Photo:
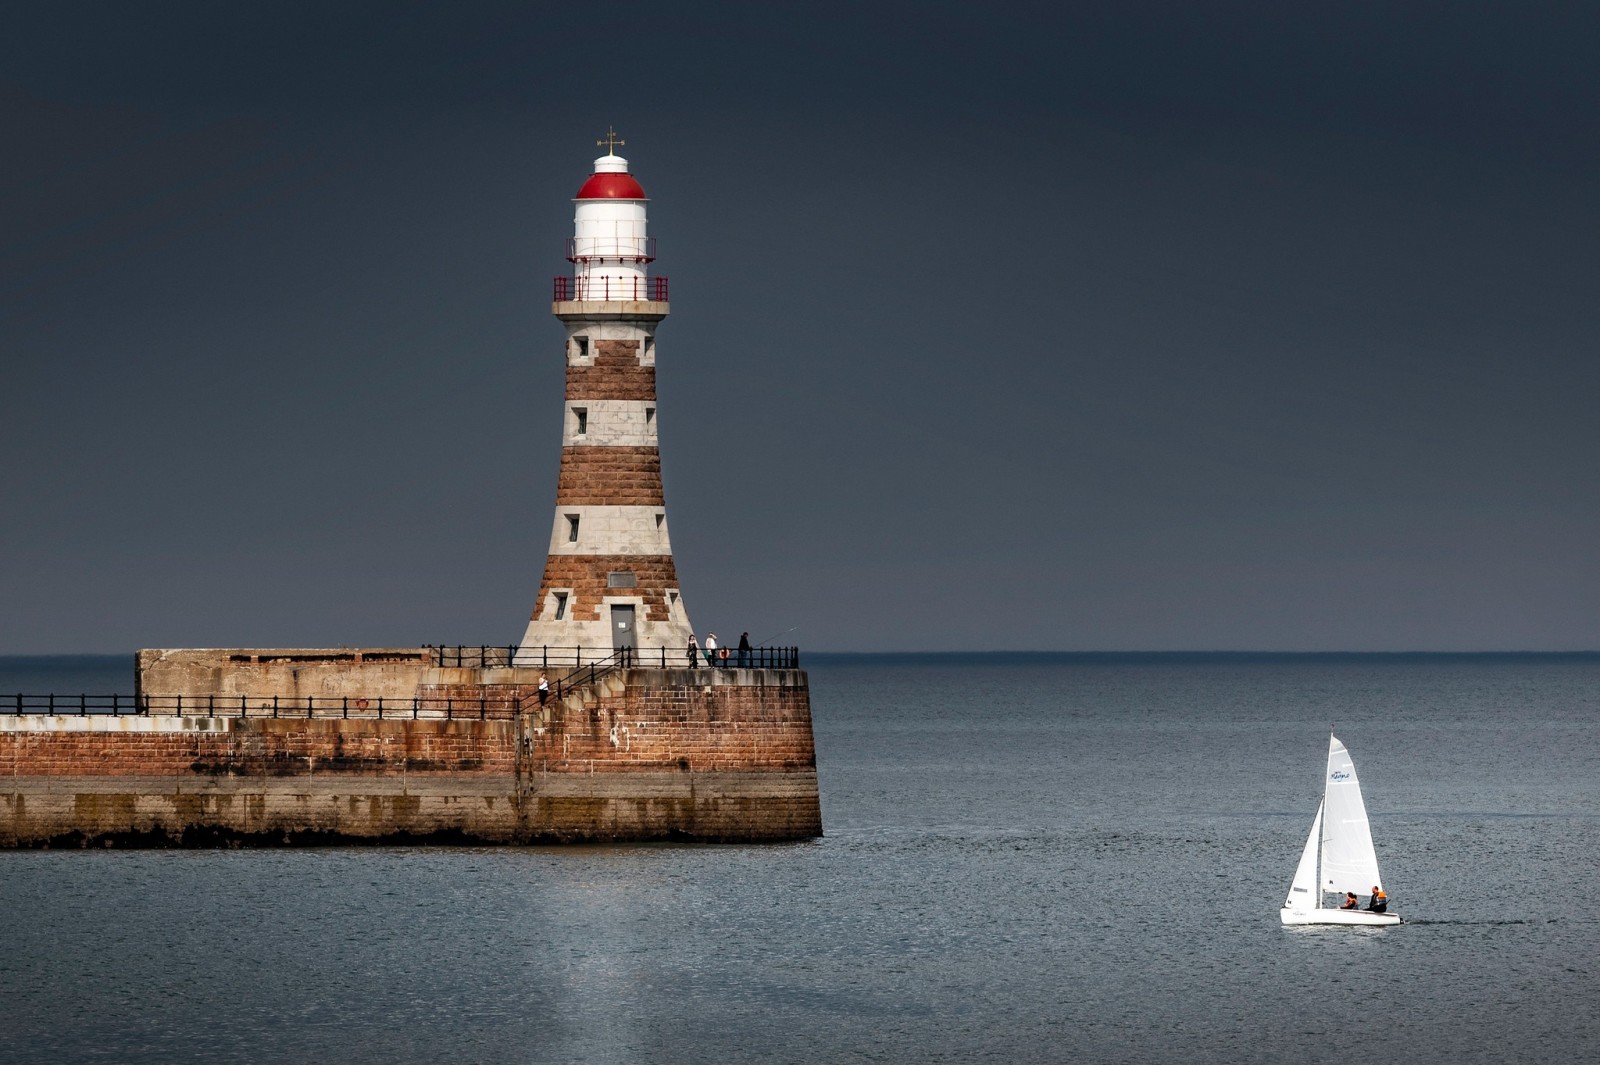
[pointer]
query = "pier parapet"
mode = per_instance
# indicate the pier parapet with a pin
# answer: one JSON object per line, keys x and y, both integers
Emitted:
{"x": 226, "y": 750}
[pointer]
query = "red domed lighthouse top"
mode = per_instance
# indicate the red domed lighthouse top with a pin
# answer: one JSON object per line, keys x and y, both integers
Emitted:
{"x": 611, "y": 185}
{"x": 611, "y": 180}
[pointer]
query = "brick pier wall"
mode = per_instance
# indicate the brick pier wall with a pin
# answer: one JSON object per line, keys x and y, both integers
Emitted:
{"x": 718, "y": 755}
{"x": 694, "y": 754}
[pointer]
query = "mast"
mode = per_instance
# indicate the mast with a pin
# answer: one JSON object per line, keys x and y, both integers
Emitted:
{"x": 1322, "y": 834}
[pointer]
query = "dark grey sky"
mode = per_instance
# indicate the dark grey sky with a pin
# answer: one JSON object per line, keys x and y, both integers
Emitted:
{"x": 1055, "y": 326}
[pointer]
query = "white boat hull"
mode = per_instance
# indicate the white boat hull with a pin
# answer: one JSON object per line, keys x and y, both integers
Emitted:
{"x": 1349, "y": 917}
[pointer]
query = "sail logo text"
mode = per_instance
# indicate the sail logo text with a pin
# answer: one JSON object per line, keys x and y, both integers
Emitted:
{"x": 1339, "y": 774}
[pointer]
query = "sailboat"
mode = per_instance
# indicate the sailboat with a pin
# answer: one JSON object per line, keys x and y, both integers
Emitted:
{"x": 1338, "y": 856}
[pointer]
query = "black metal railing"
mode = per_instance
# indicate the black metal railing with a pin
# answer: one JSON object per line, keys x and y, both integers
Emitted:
{"x": 76, "y": 705}
{"x": 583, "y": 676}
{"x": 536, "y": 656}
{"x": 452, "y": 708}
{"x": 733, "y": 658}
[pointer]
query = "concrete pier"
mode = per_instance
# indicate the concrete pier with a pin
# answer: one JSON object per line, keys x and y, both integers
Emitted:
{"x": 640, "y": 754}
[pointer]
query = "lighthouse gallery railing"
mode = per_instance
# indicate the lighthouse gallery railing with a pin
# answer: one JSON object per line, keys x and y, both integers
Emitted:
{"x": 603, "y": 288}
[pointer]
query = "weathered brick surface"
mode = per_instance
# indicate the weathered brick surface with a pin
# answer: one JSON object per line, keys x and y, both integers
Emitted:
{"x": 610, "y": 476}
{"x": 585, "y": 575}
{"x": 494, "y": 702}
{"x": 675, "y": 720}
{"x": 267, "y": 747}
{"x": 650, "y": 754}
{"x": 614, "y": 374}
{"x": 262, "y": 781}
{"x": 693, "y": 753}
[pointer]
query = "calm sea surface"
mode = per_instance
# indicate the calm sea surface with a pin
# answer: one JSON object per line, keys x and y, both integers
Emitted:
{"x": 1028, "y": 858}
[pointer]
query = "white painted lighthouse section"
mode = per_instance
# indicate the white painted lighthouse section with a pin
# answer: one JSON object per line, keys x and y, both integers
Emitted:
{"x": 610, "y": 243}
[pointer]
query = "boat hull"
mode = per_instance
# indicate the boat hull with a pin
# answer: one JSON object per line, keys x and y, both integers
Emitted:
{"x": 1346, "y": 917}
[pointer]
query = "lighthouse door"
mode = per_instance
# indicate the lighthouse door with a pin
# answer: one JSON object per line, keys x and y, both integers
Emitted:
{"x": 622, "y": 634}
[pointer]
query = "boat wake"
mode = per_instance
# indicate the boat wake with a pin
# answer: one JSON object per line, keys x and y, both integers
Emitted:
{"x": 1511, "y": 920}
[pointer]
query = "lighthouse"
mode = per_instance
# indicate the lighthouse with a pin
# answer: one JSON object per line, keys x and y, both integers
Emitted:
{"x": 609, "y": 580}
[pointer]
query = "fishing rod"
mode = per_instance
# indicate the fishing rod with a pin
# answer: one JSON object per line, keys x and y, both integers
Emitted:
{"x": 768, "y": 641}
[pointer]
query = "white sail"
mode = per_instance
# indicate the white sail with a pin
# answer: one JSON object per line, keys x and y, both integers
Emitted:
{"x": 1303, "y": 894}
{"x": 1349, "y": 862}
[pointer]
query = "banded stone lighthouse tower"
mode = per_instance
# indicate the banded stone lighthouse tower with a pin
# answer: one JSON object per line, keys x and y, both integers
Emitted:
{"x": 609, "y": 580}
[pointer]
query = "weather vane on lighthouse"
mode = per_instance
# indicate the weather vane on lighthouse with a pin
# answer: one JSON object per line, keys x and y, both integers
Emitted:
{"x": 611, "y": 143}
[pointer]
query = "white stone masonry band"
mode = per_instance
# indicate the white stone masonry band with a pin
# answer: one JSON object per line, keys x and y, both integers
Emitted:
{"x": 610, "y": 531}
{"x": 584, "y": 337}
{"x": 610, "y": 423}
{"x": 672, "y": 633}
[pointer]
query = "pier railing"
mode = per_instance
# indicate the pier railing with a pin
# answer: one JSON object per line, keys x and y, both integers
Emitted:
{"x": 74, "y": 705}
{"x": 423, "y": 707}
{"x": 529, "y": 656}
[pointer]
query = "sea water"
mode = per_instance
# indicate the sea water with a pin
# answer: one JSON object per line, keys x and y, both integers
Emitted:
{"x": 1027, "y": 859}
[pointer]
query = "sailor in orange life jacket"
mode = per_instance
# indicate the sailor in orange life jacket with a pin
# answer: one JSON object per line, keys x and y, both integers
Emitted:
{"x": 1349, "y": 901}
{"x": 1380, "y": 901}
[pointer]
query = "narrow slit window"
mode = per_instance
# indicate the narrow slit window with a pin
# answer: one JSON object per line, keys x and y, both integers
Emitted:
{"x": 660, "y": 519}
{"x": 582, "y": 415}
{"x": 561, "y": 605}
{"x": 582, "y": 345}
{"x": 649, "y": 416}
{"x": 572, "y": 528}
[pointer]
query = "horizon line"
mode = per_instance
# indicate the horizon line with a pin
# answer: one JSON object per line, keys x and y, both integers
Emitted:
{"x": 1125, "y": 652}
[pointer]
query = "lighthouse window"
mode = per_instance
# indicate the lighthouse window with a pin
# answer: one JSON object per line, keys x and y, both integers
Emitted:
{"x": 572, "y": 528}
{"x": 582, "y": 414}
{"x": 561, "y": 605}
{"x": 659, "y": 519}
{"x": 649, "y": 416}
{"x": 583, "y": 346}
{"x": 621, "y": 580}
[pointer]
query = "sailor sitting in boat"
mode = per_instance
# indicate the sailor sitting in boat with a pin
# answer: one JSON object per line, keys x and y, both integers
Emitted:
{"x": 1380, "y": 901}
{"x": 1350, "y": 901}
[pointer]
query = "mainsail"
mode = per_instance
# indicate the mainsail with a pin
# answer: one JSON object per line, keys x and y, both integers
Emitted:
{"x": 1349, "y": 862}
